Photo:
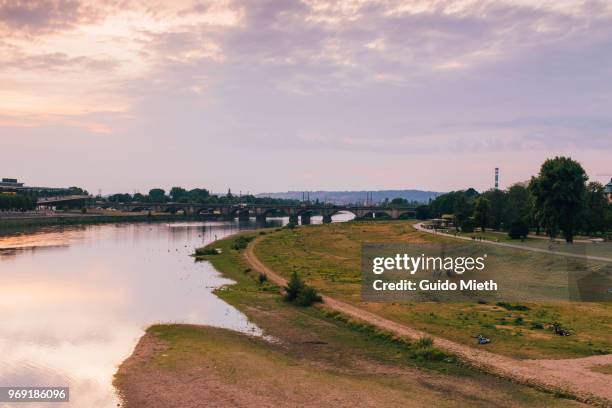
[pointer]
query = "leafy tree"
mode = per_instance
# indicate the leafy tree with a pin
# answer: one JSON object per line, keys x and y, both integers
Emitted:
{"x": 596, "y": 203}
{"x": 518, "y": 229}
{"x": 481, "y": 212}
{"x": 468, "y": 225}
{"x": 399, "y": 202}
{"x": 463, "y": 210}
{"x": 157, "y": 195}
{"x": 498, "y": 203}
{"x": 120, "y": 198}
{"x": 560, "y": 192}
{"x": 519, "y": 205}
{"x": 423, "y": 212}
{"x": 178, "y": 193}
{"x": 18, "y": 202}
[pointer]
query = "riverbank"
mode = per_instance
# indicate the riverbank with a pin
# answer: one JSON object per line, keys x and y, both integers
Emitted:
{"x": 318, "y": 358}
{"x": 18, "y": 224}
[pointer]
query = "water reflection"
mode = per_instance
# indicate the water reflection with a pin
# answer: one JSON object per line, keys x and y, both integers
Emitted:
{"x": 74, "y": 301}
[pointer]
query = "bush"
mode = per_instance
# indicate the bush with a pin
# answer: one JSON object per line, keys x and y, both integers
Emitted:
{"x": 307, "y": 296}
{"x": 294, "y": 287}
{"x": 508, "y": 306}
{"x": 291, "y": 225}
{"x": 241, "y": 242}
{"x": 424, "y": 342}
{"x": 263, "y": 278}
{"x": 299, "y": 293}
{"x": 518, "y": 230}
{"x": 206, "y": 251}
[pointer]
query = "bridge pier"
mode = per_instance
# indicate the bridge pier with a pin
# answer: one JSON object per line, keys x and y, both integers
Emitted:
{"x": 305, "y": 218}
{"x": 327, "y": 219}
{"x": 243, "y": 215}
{"x": 261, "y": 218}
{"x": 293, "y": 219}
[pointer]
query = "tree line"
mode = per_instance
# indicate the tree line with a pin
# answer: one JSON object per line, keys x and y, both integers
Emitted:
{"x": 196, "y": 195}
{"x": 558, "y": 201}
{"x": 10, "y": 202}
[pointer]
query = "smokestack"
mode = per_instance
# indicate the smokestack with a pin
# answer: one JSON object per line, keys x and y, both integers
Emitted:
{"x": 497, "y": 178}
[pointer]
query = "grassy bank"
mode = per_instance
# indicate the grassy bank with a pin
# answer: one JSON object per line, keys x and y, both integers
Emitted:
{"x": 328, "y": 257}
{"x": 318, "y": 358}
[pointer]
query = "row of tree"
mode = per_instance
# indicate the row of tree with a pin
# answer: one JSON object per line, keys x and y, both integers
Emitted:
{"x": 196, "y": 195}
{"x": 9, "y": 202}
{"x": 559, "y": 200}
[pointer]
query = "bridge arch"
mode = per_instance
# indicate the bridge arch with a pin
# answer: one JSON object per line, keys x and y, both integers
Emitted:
{"x": 409, "y": 214}
{"x": 378, "y": 215}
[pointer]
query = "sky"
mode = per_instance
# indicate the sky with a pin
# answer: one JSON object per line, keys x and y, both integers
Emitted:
{"x": 261, "y": 96}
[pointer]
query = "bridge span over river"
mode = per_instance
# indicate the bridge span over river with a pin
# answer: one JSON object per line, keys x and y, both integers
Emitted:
{"x": 261, "y": 211}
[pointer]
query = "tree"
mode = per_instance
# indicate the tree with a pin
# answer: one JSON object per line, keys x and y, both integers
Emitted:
{"x": 398, "y": 202}
{"x": 463, "y": 210}
{"x": 423, "y": 212}
{"x": 177, "y": 193}
{"x": 518, "y": 206}
{"x": 560, "y": 191}
{"x": 157, "y": 195}
{"x": 518, "y": 229}
{"x": 498, "y": 203}
{"x": 294, "y": 287}
{"x": 595, "y": 211}
{"x": 481, "y": 212}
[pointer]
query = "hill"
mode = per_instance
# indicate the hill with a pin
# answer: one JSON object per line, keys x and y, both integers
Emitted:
{"x": 347, "y": 197}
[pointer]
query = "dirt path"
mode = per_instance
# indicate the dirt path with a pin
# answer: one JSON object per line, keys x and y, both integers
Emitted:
{"x": 569, "y": 376}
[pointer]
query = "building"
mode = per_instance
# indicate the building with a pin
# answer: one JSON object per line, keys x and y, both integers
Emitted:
{"x": 608, "y": 191}
{"x": 12, "y": 186}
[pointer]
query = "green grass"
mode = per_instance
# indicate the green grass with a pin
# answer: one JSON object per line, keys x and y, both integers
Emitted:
{"x": 328, "y": 257}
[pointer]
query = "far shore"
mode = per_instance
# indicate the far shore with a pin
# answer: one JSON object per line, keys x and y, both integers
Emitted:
{"x": 15, "y": 222}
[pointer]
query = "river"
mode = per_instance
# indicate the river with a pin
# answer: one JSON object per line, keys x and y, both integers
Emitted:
{"x": 75, "y": 300}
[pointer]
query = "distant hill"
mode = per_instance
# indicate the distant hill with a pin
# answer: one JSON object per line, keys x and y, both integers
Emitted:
{"x": 347, "y": 197}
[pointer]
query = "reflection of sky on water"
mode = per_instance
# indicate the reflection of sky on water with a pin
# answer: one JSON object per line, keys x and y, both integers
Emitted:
{"x": 72, "y": 313}
{"x": 74, "y": 301}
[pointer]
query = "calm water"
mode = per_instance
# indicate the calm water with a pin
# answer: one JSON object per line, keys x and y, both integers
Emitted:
{"x": 74, "y": 301}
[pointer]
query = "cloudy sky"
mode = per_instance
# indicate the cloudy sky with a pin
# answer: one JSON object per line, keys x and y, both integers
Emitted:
{"x": 262, "y": 95}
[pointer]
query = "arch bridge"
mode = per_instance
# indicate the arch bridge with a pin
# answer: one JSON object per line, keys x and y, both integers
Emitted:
{"x": 261, "y": 211}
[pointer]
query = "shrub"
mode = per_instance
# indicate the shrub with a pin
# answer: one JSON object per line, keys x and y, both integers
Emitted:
{"x": 428, "y": 354}
{"x": 291, "y": 225}
{"x": 424, "y": 342}
{"x": 518, "y": 230}
{"x": 206, "y": 251}
{"x": 299, "y": 293}
{"x": 508, "y": 306}
{"x": 307, "y": 296}
{"x": 263, "y": 278}
{"x": 294, "y": 287}
{"x": 241, "y": 242}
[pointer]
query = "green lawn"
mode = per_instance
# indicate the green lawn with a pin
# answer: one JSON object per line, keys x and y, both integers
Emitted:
{"x": 328, "y": 257}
